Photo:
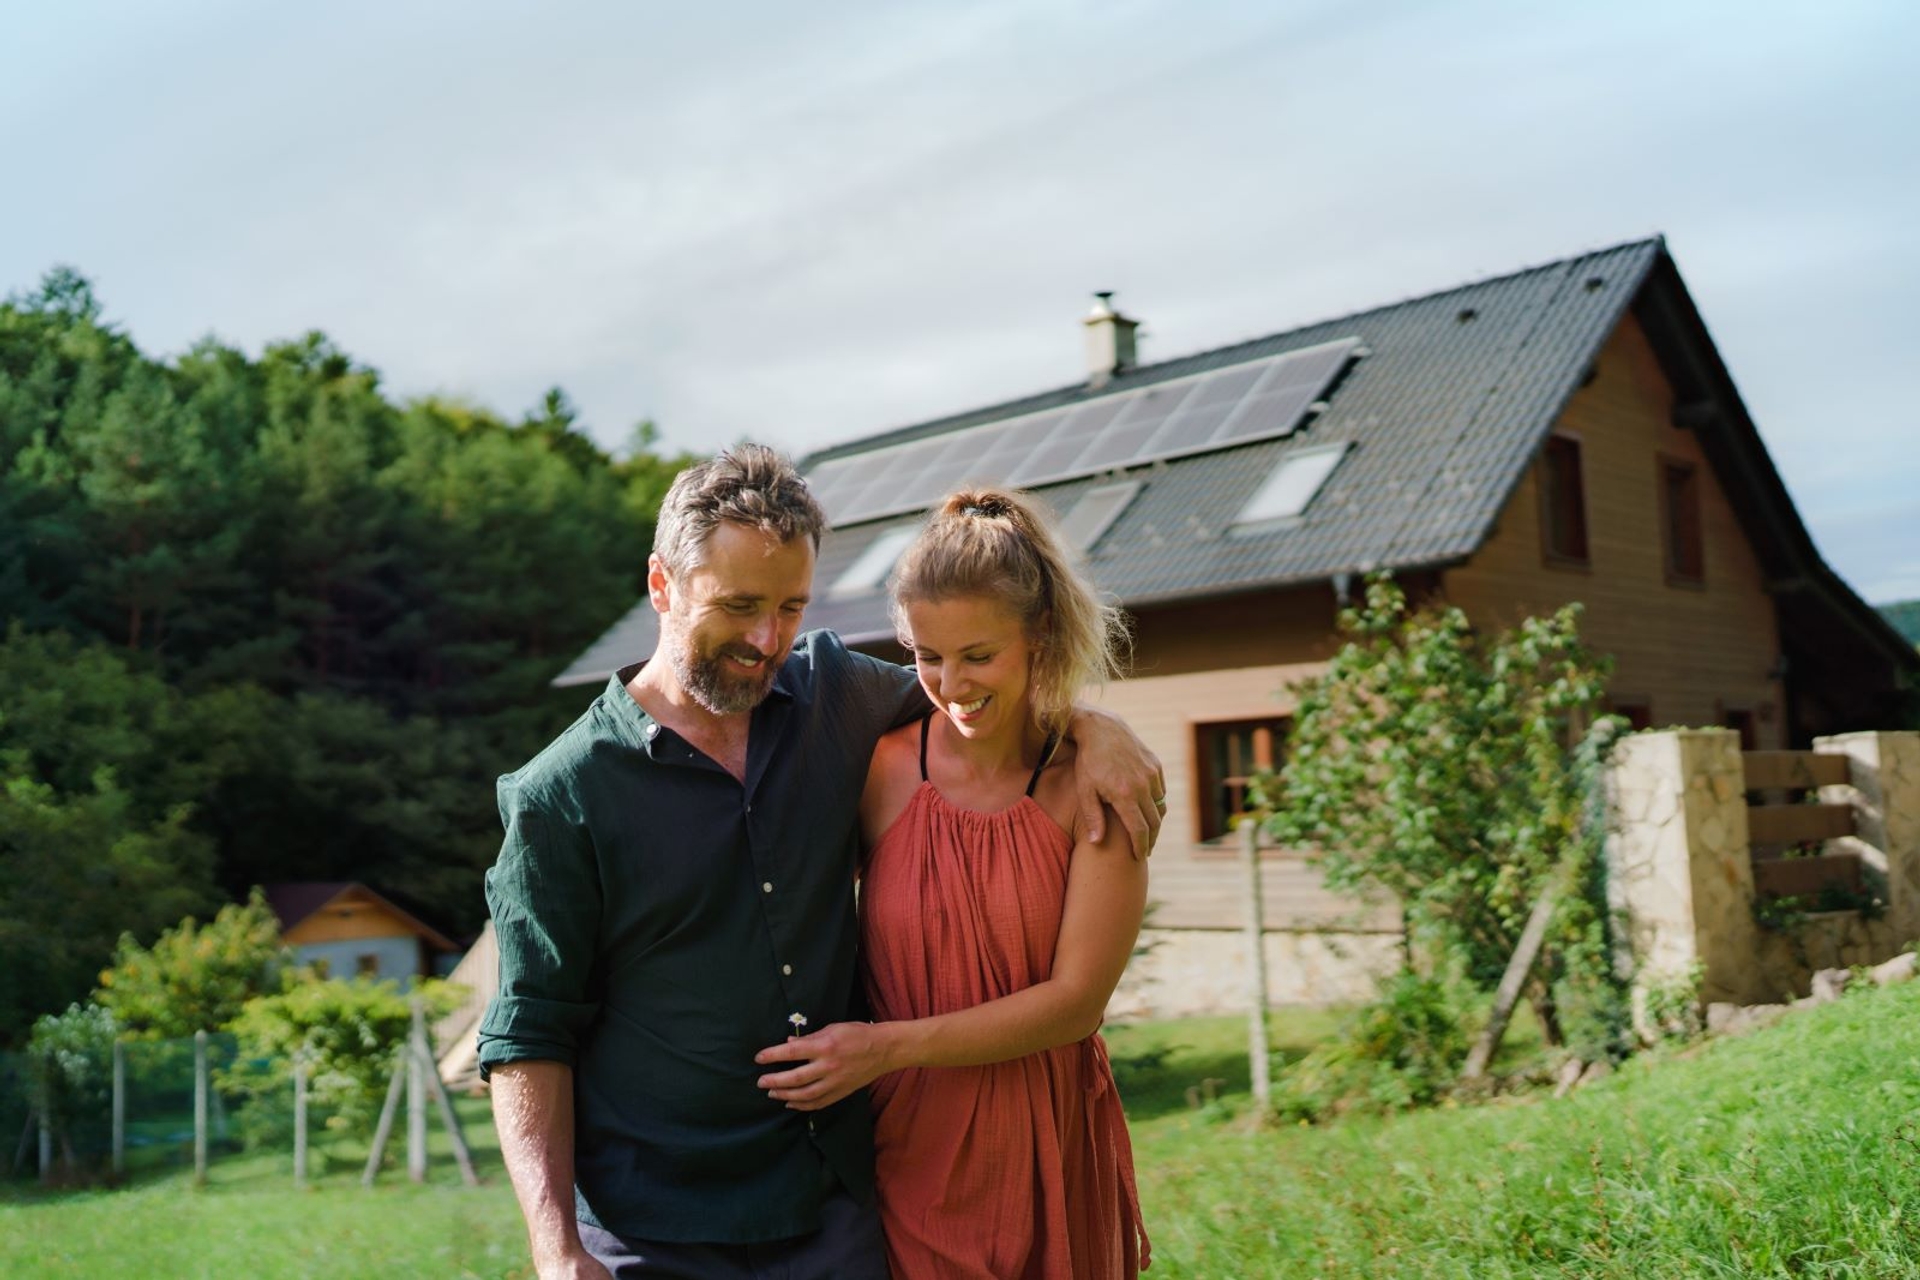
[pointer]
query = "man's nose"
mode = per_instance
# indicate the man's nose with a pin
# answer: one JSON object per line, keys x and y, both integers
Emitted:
{"x": 764, "y": 635}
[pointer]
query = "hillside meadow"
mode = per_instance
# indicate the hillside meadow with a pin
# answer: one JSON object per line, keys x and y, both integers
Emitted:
{"x": 1794, "y": 1151}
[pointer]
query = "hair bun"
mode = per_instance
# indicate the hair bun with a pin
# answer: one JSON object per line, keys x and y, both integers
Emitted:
{"x": 984, "y": 505}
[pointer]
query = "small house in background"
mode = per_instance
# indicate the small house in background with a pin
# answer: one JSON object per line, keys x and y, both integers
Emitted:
{"x": 1566, "y": 433}
{"x": 346, "y": 930}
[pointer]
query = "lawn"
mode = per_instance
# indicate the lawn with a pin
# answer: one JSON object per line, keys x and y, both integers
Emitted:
{"x": 1791, "y": 1152}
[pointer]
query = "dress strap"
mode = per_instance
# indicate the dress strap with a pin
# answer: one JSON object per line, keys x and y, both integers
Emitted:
{"x": 1046, "y": 755}
{"x": 926, "y": 723}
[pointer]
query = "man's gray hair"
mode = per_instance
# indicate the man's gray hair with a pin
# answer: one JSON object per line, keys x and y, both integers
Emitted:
{"x": 748, "y": 484}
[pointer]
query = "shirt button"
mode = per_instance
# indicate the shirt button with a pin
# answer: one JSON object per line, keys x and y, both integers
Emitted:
{"x": 652, "y": 730}
{"x": 766, "y": 886}
{"x": 787, "y": 969}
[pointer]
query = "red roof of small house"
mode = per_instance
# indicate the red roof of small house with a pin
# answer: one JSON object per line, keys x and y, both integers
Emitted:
{"x": 295, "y": 901}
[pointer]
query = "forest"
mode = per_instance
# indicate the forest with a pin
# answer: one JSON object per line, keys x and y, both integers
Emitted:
{"x": 260, "y": 622}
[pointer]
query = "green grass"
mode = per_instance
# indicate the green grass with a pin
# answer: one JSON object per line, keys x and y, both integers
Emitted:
{"x": 250, "y": 1220}
{"x": 1791, "y": 1152}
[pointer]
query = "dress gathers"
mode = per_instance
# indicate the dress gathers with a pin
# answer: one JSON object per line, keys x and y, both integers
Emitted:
{"x": 1015, "y": 1169}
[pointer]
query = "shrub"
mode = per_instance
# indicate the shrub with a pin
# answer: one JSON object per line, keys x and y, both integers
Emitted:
{"x": 1403, "y": 1050}
{"x": 347, "y": 1030}
{"x": 70, "y": 1076}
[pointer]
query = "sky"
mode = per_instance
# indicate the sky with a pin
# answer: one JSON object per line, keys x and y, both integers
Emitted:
{"x": 808, "y": 223}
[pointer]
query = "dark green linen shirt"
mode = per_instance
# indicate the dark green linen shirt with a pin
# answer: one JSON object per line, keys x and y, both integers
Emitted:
{"x": 659, "y": 922}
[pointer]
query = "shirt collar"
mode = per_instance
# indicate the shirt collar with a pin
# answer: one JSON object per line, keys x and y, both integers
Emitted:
{"x": 642, "y": 730}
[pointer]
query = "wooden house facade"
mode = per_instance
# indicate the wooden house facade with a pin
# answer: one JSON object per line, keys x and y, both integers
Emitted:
{"x": 1566, "y": 433}
{"x": 346, "y": 930}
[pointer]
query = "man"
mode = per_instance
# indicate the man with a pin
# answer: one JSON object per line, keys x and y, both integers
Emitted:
{"x": 676, "y": 891}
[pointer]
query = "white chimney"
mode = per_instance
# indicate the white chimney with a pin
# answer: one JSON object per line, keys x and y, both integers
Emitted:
{"x": 1109, "y": 341}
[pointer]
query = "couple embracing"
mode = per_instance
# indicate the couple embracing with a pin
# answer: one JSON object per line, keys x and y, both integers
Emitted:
{"x": 706, "y": 1060}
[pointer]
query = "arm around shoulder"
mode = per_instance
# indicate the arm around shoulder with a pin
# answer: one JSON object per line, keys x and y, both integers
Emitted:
{"x": 1116, "y": 770}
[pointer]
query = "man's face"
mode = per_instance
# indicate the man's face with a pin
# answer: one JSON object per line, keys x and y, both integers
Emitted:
{"x": 727, "y": 623}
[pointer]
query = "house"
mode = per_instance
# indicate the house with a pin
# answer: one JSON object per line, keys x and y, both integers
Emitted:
{"x": 347, "y": 930}
{"x": 1565, "y": 433}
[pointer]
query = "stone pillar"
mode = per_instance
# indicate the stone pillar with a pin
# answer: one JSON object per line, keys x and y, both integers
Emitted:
{"x": 1679, "y": 873}
{"x": 1884, "y": 789}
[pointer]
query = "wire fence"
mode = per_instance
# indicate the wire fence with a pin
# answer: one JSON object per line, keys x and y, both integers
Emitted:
{"x": 118, "y": 1110}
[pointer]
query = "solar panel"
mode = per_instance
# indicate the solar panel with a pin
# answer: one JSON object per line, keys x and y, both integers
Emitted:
{"x": 1279, "y": 401}
{"x": 1121, "y": 442}
{"x": 1256, "y": 400}
{"x": 1053, "y": 455}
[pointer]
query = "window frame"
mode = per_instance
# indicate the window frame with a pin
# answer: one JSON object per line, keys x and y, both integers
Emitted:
{"x": 1549, "y": 487}
{"x": 1666, "y": 467}
{"x": 1636, "y": 709}
{"x": 1210, "y": 824}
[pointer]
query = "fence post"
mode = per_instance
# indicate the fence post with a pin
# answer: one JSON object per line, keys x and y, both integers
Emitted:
{"x": 200, "y": 1091}
{"x": 1259, "y": 1056}
{"x": 300, "y": 1070}
{"x": 417, "y": 1094}
{"x": 384, "y": 1129}
{"x": 119, "y": 1108}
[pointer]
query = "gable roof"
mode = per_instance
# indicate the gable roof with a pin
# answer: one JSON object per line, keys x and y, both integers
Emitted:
{"x": 294, "y": 901}
{"x": 1441, "y": 417}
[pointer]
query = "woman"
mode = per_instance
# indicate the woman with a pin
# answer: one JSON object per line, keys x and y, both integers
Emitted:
{"x": 991, "y": 937}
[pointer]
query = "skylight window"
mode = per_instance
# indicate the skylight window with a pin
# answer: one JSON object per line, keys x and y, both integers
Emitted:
{"x": 1095, "y": 513}
{"x": 869, "y": 570}
{"x": 1292, "y": 486}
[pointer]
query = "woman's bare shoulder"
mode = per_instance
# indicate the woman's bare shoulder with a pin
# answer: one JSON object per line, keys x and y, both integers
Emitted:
{"x": 897, "y": 745}
{"x": 1057, "y": 790}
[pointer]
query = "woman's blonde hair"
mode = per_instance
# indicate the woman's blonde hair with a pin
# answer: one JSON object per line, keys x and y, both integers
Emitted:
{"x": 992, "y": 542}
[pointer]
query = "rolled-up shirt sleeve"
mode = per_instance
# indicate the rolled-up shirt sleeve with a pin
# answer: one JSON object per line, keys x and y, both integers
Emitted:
{"x": 544, "y": 894}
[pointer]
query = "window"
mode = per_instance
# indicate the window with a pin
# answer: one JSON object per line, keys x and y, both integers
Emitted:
{"x": 1225, "y": 756}
{"x": 1293, "y": 484}
{"x": 1095, "y": 513}
{"x": 1680, "y": 522}
{"x": 1740, "y": 720}
{"x": 1637, "y": 711}
{"x": 870, "y": 568}
{"x": 1563, "y": 503}
{"x": 367, "y": 965}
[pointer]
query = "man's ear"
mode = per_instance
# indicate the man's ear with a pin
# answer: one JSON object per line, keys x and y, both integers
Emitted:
{"x": 659, "y": 584}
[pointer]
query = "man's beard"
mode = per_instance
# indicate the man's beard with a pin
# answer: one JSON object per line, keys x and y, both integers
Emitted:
{"x": 709, "y": 684}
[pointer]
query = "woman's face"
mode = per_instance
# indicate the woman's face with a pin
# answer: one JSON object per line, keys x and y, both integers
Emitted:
{"x": 975, "y": 662}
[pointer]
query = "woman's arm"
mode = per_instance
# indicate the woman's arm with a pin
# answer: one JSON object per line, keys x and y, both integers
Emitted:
{"x": 1106, "y": 897}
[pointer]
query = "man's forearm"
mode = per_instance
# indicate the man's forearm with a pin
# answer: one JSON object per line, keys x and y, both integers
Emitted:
{"x": 533, "y": 1110}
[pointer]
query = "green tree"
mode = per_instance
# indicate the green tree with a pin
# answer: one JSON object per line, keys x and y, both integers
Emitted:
{"x": 270, "y": 625}
{"x": 195, "y": 977}
{"x": 1435, "y": 763}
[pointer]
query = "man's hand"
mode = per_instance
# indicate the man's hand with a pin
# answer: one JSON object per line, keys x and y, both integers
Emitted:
{"x": 1114, "y": 768}
{"x": 573, "y": 1266}
{"x": 834, "y": 1061}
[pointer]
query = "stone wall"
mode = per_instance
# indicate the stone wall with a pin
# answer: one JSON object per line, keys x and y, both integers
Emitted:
{"x": 1680, "y": 874}
{"x": 1883, "y": 785}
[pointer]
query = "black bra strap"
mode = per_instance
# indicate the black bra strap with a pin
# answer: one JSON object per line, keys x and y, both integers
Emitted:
{"x": 1046, "y": 754}
{"x": 925, "y": 724}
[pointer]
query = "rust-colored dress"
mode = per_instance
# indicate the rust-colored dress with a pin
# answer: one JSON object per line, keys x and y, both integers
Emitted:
{"x": 1016, "y": 1169}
